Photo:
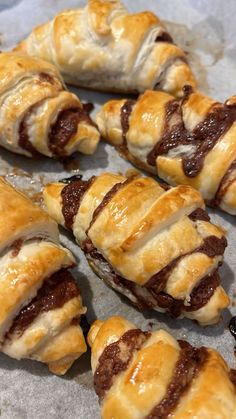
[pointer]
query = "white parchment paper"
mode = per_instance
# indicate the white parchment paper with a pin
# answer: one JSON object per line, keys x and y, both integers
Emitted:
{"x": 206, "y": 30}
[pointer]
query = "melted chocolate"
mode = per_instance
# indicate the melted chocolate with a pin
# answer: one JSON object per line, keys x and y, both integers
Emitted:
{"x": 45, "y": 77}
{"x": 204, "y": 136}
{"x": 115, "y": 358}
{"x": 16, "y": 247}
{"x": 202, "y": 292}
{"x": 232, "y": 326}
{"x": 92, "y": 252}
{"x": 171, "y": 108}
{"x": 224, "y": 185}
{"x": 199, "y": 214}
{"x": 212, "y": 246}
{"x": 23, "y": 140}
{"x": 72, "y": 195}
{"x": 199, "y": 296}
{"x": 107, "y": 198}
{"x": 55, "y": 292}
{"x": 190, "y": 362}
{"x": 88, "y": 107}
{"x": 125, "y": 113}
{"x": 65, "y": 127}
{"x": 164, "y": 37}
{"x": 71, "y": 179}
{"x": 232, "y": 376}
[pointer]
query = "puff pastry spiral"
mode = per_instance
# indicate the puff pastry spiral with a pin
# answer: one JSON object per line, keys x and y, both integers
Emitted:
{"x": 40, "y": 302}
{"x": 150, "y": 375}
{"x": 104, "y": 47}
{"x": 157, "y": 247}
{"x": 37, "y": 114}
{"x": 190, "y": 141}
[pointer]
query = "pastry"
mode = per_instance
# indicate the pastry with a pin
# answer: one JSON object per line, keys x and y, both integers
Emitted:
{"x": 150, "y": 375}
{"x": 37, "y": 114}
{"x": 102, "y": 46}
{"x": 40, "y": 302}
{"x": 155, "y": 246}
{"x": 191, "y": 141}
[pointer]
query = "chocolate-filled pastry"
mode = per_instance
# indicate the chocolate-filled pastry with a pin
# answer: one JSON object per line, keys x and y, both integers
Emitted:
{"x": 104, "y": 47}
{"x": 150, "y": 375}
{"x": 190, "y": 141}
{"x": 155, "y": 246}
{"x": 37, "y": 114}
{"x": 40, "y": 302}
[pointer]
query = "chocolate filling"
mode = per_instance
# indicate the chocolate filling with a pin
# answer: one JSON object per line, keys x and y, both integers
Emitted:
{"x": 55, "y": 292}
{"x": 199, "y": 296}
{"x": 232, "y": 376}
{"x": 16, "y": 247}
{"x": 72, "y": 195}
{"x": 232, "y": 326}
{"x": 46, "y": 77}
{"x": 92, "y": 254}
{"x": 225, "y": 183}
{"x": 188, "y": 366}
{"x": 204, "y": 136}
{"x": 23, "y": 140}
{"x": 65, "y": 127}
{"x": 88, "y": 107}
{"x": 107, "y": 198}
{"x": 125, "y": 113}
{"x": 199, "y": 214}
{"x": 201, "y": 293}
{"x": 164, "y": 37}
{"x": 115, "y": 358}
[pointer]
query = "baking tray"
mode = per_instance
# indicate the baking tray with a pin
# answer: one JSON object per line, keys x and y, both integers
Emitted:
{"x": 206, "y": 30}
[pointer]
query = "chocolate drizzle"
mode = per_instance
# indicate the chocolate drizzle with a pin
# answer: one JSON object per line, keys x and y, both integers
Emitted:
{"x": 203, "y": 138}
{"x": 115, "y": 358}
{"x": 65, "y": 128}
{"x": 191, "y": 361}
{"x": 55, "y": 292}
{"x": 72, "y": 195}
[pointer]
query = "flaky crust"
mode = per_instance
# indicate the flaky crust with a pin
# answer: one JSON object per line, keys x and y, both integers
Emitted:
{"x": 149, "y": 123}
{"x": 137, "y": 236}
{"x": 104, "y": 47}
{"x": 149, "y": 376}
{"x": 36, "y": 105}
{"x": 31, "y": 324}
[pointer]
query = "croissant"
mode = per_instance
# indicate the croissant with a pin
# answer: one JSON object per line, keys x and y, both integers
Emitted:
{"x": 40, "y": 302}
{"x": 37, "y": 114}
{"x": 150, "y": 375}
{"x": 155, "y": 246}
{"x": 190, "y": 141}
{"x": 104, "y": 47}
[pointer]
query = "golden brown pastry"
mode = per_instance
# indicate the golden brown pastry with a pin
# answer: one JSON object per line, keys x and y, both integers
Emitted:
{"x": 104, "y": 47}
{"x": 155, "y": 246}
{"x": 150, "y": 375}
{"x": 191, "y": 141}
{"x": 37, "y": 114}
{"x": 40, "y": 302}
